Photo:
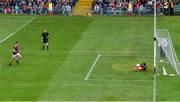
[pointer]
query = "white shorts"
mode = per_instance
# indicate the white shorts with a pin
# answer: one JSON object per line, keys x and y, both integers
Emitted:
{"x": 16, "y": 56}
{"x": 130, "y": 10}
{"x": 50, "y": 9}
{"x": 45, "y": 44}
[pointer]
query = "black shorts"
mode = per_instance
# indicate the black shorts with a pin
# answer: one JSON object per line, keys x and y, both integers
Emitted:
{"x": 45, "y": 40}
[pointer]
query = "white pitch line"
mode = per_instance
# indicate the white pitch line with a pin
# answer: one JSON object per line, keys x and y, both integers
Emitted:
{"x": 121, "y": 80}
{"x": 92, "y": 67}
{"x": 17, "y": 30}
{"x": 154, "y": 88}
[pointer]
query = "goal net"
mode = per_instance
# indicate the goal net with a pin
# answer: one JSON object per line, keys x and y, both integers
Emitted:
{"x": 166, "y": 57}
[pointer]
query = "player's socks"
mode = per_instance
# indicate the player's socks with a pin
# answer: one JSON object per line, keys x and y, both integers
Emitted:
{"x": 47, "y": 47}
{"x": 17, "y": 62}
{"x": 43, "y": 47}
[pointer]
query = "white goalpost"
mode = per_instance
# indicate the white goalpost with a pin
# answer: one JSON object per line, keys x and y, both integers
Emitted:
{"x": 154, "y": 34}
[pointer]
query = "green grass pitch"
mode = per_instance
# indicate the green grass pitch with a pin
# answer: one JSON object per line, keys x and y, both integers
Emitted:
{"x": 75, "y": 42}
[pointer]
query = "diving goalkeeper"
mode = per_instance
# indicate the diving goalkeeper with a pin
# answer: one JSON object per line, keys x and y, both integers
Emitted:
{"x": 140, "y": 67}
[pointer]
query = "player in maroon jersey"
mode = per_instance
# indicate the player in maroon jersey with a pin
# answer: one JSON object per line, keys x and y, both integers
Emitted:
{"x": 15, "y": 54}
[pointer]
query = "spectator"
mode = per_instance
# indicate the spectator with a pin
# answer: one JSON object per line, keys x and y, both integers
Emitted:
{"x": 130, "y": 7}
{"x": 171, "y": 4}
{"x": 40, "y": 8}
{"x": 16, "y": 9}
{"x": 35, "y": 8}
{"x": 165, "y": 7}
{"x": 112, "y": 7}
{"x": 119, "y": 8}
{"x": 124, "y": 7}
{"x": 96, "y": 9}
{"x": 68, "y": 9}
{"x": 50, "y": 7}
{"x": 141, "y": 8}
{"x": 161, "y": 8}
{"x": 45, "y": 8}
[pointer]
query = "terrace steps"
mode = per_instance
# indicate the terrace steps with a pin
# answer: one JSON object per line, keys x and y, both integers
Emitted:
{"x": 82, "y": 6}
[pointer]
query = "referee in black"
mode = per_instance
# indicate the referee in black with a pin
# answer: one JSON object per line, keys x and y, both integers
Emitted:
{"x": 44, "y": 38}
